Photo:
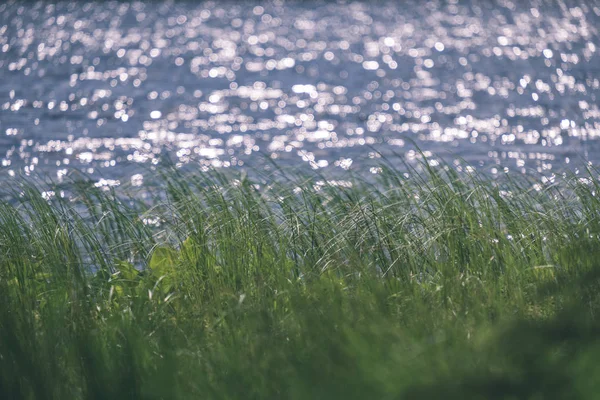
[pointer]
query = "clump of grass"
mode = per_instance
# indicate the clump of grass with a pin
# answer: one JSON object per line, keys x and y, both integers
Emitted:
{"x": 434, "y": 286}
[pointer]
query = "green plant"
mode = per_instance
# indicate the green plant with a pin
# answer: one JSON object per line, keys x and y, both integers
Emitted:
{"x": 436, "y": 285}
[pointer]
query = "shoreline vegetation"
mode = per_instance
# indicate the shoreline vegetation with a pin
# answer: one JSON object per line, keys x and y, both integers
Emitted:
{"x": 435, "y": 286}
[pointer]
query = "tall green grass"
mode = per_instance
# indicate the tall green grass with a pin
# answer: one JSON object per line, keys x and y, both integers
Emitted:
{"x": 438, "y": 285}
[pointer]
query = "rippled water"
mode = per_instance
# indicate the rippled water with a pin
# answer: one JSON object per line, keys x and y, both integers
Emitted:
{"x": 110, "y": 87}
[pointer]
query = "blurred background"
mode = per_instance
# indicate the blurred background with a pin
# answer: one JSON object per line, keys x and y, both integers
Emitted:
{"x": 110, "y": 88}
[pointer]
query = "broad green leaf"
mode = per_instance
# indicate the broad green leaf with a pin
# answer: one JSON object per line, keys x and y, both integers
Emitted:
{"x": 187, "y": 250}
{"x": 127, "y": 270}
{"x": 163, "y": 261}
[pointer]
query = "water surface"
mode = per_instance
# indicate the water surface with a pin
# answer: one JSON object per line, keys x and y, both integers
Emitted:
{"x": 111, "y": 87}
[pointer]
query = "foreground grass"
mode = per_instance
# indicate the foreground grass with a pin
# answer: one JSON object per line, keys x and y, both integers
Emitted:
{"x": 439, "y": 287}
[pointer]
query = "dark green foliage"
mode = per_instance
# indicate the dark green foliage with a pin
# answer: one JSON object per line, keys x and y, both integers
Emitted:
{"x": 435, "y": 286}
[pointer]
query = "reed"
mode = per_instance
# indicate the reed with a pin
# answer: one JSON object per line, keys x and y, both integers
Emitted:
{"x": 436, "y": 285}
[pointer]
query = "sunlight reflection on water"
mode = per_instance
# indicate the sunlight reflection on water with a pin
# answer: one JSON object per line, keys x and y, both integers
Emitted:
{"x": 109, "y": 87}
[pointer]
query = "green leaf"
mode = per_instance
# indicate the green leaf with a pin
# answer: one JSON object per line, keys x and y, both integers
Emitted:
{"x": 163, "y": 261}
{"x": 188, "y": 251}
{"x": 127, "y": 270}
{"x": 43, "y": 277}
{"x": 545, "y": 272}
{"x": 101, "y": 279}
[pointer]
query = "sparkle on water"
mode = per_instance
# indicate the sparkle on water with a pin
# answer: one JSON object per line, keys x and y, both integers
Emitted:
{"x": 107, "y": 86}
